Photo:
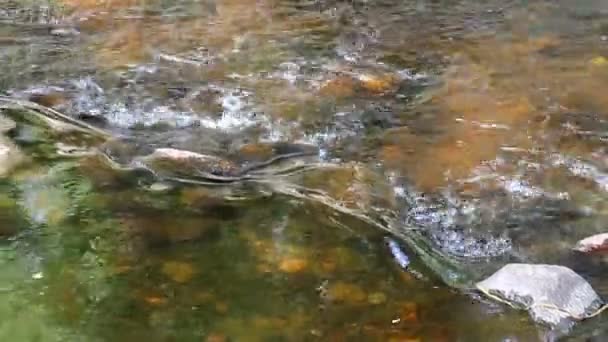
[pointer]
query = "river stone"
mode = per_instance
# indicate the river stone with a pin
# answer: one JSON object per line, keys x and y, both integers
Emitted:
{"x": 10, "y": 156}
{"x": 6, "y": 124}
{"x": 554, "y": 295}
{"x": 175, "y": 162}
{"x": 593, "y": 243}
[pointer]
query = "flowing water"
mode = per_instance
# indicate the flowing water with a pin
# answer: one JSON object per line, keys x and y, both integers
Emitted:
{"x": 475, "y": 128}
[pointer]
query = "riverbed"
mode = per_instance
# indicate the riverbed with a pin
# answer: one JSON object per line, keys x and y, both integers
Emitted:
{"x": 475, "y": 128}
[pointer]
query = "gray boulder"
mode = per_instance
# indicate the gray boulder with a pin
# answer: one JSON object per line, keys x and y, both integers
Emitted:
{"x": 554, "y": 295}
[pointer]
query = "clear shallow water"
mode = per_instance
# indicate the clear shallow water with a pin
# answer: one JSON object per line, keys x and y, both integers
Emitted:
{"x": 482, "y": 123}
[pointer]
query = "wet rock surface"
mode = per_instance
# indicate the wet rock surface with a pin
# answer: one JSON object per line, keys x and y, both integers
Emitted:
{"x": 595, "y": 243}
{"x": 445, "y": 123}
{"x": 554, "y": 295}
{"x": 10, "y": 155}
{"x": 6, "y": 124}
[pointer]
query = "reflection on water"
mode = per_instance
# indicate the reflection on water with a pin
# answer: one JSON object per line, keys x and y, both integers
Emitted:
{"x": 479, "y": 125}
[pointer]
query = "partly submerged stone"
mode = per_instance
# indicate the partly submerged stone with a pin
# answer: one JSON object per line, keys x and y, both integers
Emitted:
{"x": 6, "y": 124}
{"x": 554, "y": 295}
{"x": 192, "y": 166}
{"x": 169, "y": 162}
{"x": 595, "y": 243}
{"x": 10, "y": 156}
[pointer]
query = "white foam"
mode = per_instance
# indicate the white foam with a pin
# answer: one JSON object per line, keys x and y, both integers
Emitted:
{"x": 581, "y": 169}
{"x": 407, "y": 74}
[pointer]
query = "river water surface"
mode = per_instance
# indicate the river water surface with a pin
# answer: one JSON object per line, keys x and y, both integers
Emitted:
{"x": 480, "y": 127}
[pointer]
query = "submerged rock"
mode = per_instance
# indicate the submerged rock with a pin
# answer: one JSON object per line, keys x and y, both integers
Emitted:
{"x": 554, "y": 295}
{"x": 346, "y": 292}
{"x": 9, "y": 215}
{"x": 179, "y": 272}
{"x": 293, "y": 265}
{"x": 595, "y": 243}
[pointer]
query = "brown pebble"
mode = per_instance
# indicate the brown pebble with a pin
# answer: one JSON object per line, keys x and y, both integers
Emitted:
{"x": 216, "y": 337}
{"x": 328, "y": 265}
{"x": 51, "y": 99}
{"x": 221, "y": 307}
{"x": 263, "y": 268}
{"x": 155, "y": 300}
{"x": 345, "y": 292}
{"x": 179, "y": 272}
{"x": 409, "y": 312}
{"x": 376, "y": 298}
{"x": 404, "y": 339}
{"x": 203, "y": 297}
{"x": 293, "y": 265}
{"x": 377, "y": 84}
{"x": 340, "y": 87}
